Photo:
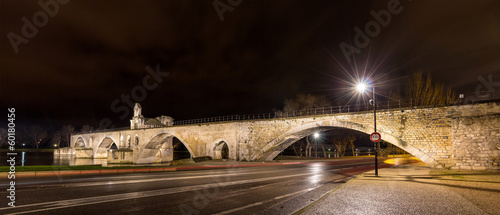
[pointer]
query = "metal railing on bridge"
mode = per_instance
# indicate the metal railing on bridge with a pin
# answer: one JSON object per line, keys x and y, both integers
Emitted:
{"x": 382, "y": 105}
{"x": 309, "y": 112}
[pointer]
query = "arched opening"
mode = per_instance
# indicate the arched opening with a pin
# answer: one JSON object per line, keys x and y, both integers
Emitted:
{"x": 80, "y": 143}
{"x": 180, "y": 150}
{"x": 136, "y": 140}
{"x": 158, "y": 150}
{"x": 333, "y": 142}
{"x": 128, "y": 144}
{"x": 163, "y": 148}
{"x": 106, "y": 144}
{"x": 221, "y": 150}
{"x": 279, "y": 144}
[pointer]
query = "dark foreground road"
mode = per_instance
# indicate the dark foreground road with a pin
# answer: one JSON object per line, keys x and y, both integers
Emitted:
{"x": 249, "y": 190}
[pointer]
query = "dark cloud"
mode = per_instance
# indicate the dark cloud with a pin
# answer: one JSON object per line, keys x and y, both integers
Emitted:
{"x": 92, "y": 52}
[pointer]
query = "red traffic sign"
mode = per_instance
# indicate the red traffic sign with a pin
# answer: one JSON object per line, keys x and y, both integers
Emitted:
{"x": 375, "y": 137}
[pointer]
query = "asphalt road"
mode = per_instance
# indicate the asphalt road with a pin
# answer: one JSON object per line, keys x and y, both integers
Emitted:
{"x": 248, "y": 190}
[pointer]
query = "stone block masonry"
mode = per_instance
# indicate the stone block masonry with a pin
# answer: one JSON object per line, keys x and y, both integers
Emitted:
{"x": 456, "y": 137}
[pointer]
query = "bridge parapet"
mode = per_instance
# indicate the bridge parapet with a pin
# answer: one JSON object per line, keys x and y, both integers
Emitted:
{"x": 459, "y": 137}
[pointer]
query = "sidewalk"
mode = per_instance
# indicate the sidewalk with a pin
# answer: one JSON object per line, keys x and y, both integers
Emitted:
{"x": 406, "y": 189}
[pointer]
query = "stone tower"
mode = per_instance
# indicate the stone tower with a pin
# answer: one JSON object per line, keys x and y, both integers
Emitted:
{"x": 138, "y": 120}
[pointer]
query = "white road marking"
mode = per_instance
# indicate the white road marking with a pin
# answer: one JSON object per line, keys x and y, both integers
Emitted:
{"x": 105, "y": 183}
{"x": 279, "y": 197}
{"x": 134, "y": 195}
{"x": 263, "y": 202}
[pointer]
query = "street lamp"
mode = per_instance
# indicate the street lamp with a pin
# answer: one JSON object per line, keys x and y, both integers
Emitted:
{"x": 361, "y": 87}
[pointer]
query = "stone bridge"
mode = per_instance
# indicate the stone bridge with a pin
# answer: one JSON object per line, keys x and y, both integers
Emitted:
{"x": 456, "y": 137}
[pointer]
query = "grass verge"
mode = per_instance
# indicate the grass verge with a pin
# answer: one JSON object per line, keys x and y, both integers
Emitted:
{"x": 58, "y": 168}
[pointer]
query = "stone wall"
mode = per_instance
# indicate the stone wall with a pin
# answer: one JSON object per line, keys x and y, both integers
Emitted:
{"x": 64, "y": 151}
{"x": 476, "y": 141}
{"x": 86, "y": 153}
{"x": 120, "y": 156}
{"x": 464, "y": 137}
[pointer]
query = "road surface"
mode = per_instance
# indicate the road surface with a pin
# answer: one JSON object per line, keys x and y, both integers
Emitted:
{"x": 248, "y": 190}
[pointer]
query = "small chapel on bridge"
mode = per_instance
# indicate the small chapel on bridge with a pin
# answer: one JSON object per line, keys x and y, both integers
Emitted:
{"x": 139, "y": 121}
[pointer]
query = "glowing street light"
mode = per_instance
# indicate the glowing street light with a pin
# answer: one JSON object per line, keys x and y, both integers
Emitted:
{"x": 316, "y": 135}
{"x": 361, "y": 88}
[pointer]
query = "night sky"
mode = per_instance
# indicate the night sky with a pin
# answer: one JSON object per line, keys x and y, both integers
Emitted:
{"x": 91, "y": 52}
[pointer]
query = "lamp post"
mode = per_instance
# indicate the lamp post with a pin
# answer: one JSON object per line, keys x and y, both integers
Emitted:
{"x": 361, "y": 87}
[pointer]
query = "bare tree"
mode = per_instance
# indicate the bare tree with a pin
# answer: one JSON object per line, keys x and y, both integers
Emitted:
{"x": 395, "y": 95}
{"x": 56, "y": 139}
{"x": 341, "y": 145}
{"x": 308, "y": 147}
{"x": 302, "y": 102}
{"x": 66, "y": 132}
{"x": 86, "y": 129}
{"x": 425, "y": 92}
{"x": 350, "y": 141}
{"x": 36, "y": 134}
{"x": 323, "y": 148}
{"x": 297, "y": 148}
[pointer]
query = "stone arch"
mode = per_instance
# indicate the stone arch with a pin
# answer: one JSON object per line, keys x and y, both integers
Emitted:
{"x": 80, "y": 143}
{"x": 128, "y": 143}
{"x": 159, "y": 149}
{"x": 273, "y": 148}
{"x": 221, "y": 150}
{"x": 136, "y": 140}
{"x": 106, "y": 144}
{"x": 185, "y": 144}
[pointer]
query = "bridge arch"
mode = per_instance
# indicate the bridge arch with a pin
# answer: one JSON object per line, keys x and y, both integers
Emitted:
{"x": 80, "y": 143}
{"x": 128, "y": 142}
{"x": 105, "y": 144}
{"x": 159, "y": 149}
{"x": 273, "y": 148}
{"x": 221, "y": 150}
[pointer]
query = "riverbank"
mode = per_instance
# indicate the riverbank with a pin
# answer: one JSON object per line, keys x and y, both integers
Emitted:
{"x": 28, "y": 150}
